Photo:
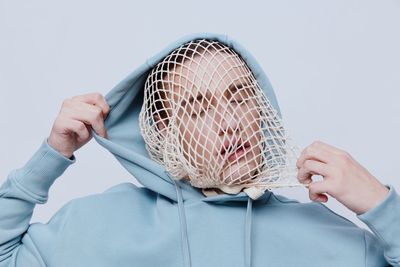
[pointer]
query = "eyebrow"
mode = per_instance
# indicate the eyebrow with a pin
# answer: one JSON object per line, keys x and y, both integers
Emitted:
{"x": 232, "y": 88}
{"x": 199, "y": 97}
{"x": 235, "y": 86}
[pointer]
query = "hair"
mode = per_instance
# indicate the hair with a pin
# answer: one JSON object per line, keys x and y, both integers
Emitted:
{"x": 178, "y": 57}
{"x": 163, "y": 138}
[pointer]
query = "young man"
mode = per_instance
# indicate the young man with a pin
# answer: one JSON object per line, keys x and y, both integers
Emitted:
{"x": 173, "y": 221}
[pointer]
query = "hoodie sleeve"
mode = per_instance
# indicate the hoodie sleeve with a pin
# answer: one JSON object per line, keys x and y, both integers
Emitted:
{"x": 22, "y": 190}
{"x": 384, "y": 222}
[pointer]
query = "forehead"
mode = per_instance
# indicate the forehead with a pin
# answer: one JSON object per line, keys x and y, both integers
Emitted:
{"x": 213, "y": 71}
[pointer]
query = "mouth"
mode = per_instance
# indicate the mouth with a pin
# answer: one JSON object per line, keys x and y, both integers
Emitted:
{"x": 234, "y": 151}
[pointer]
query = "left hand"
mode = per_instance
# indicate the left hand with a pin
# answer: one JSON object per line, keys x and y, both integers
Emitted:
{"x": 343, "y": 178}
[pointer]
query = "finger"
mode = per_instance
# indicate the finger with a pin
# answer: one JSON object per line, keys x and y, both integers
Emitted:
{"x": 329, "y": 148}
{"x": 94, "y": 99}
{"x": 315, "y": 151}
{"x": 88, "y": 114}
{"x": 318, "y": 189}
{"x": 79, "y": 128}
{"x": 310, "y": 168}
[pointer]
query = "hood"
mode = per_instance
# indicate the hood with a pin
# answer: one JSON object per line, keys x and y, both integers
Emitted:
{"x": 125, "y": 141}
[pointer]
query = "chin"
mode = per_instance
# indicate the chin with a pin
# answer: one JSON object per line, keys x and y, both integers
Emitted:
{"x": 238, "y": 173}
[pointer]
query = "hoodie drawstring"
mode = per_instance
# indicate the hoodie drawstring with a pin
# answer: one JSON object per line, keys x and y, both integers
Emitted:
{"x": 247, "y": 248}
{"x": 183, "y": 227}
{"x": 182, "y": 219}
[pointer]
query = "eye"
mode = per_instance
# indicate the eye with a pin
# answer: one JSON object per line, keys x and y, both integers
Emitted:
{"x": 238, "y": 101}
{"x": 196, "y": 113}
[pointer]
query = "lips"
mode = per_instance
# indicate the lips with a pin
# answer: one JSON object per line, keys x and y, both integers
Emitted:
{"x": 235, "y": 150}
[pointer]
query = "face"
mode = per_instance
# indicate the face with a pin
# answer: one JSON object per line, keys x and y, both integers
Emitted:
{"x": 214, "y": 101}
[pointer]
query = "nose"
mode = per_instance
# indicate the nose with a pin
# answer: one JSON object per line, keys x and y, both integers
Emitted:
{"x": 229, "y": 124}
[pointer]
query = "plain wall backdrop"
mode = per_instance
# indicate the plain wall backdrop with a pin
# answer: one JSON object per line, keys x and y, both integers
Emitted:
{"x": 335, "y": 67}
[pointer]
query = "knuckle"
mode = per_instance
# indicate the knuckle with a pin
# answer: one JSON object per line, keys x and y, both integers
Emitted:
{"x": 311, "y": 188}
{"x": 307, "y": 164}
{"x": 59, "y": 121}
{"x": 312, "y": 195}
{"x": 98, "y": 113}
{"x": 93, "y": 118}
{"x": 81, "y": 126}
{"x": 66, "y": 102}
{"x": 97, "y": 109}
{"x": 298, "y": 165}
{"x": 345, "y": 157}
{"x": 309, "y": 150}
{"x": 342, "y": 152}
{"x": 316, "y": 143}
{"x": 97, "y": 96}
{"x": 85, "y": 132}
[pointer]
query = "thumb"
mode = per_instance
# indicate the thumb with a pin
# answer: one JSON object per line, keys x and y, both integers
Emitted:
{"x": 318, "y": 189}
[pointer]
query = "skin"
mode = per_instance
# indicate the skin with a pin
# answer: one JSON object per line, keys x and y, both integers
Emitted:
{"x": 72, "y": 126}
{"x": 343, "y": 177}
{"x": 223, "y": 114}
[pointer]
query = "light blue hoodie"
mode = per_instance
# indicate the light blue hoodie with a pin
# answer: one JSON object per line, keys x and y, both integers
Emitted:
{"x": 170, "y": 223}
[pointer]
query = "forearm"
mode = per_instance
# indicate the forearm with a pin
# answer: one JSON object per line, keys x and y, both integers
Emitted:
{"x": 23, "y": 189}
{"x": 384, "y": 222}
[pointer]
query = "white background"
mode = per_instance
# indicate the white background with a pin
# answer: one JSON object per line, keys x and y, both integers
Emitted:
{"x": 335, "y": 67}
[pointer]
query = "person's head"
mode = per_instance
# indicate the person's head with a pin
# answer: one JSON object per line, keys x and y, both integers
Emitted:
{"x": 204, "y": 108}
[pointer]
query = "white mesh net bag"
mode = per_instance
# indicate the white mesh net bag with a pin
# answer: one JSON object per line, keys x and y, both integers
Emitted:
{"x": 206, "y": 119}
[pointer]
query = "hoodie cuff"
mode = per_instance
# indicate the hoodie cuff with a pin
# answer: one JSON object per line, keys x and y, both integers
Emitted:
{"x": 42, "y": 169}
{"x": 384, "y": 218}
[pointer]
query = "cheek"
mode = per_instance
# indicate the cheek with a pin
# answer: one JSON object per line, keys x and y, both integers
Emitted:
{"x": 186, "y": 131}
{"x": 250, "y": 116}
{"x": 197, "y": 139}
{"x": 252, "y": 126}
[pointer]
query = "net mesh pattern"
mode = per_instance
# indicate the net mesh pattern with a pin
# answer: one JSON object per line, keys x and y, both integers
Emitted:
{"x": 206, "y": 119}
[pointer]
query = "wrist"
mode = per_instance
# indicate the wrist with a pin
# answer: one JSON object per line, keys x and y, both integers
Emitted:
{"x": 380, "y": 195}
{"x": 67, "y": 154}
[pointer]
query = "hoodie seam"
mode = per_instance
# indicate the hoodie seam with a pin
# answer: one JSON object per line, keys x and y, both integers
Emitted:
{"x": 63, "y": 226}
{"x": 118, "y": 102}
{"x": 379, "y": 236}
{"x": 365, "y": 250}
{"x": 126, "y": 91}
{"x": 334, "y": 213}
{"x": 35, "y": 248}
{"x": 285, "y": 201}
{"x": 130, "y": 91}
{"x": 39, "y": 198}
{"x": 5, "y": 189}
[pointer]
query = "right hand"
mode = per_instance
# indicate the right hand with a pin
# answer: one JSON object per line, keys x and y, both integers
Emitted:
{"x": 72, "y": 127}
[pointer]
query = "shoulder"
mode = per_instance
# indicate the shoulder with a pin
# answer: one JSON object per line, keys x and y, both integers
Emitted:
{"x": 314, "y": 211}
{"x": 124, "y": 200}
{"x": 122, "y": 193}
{"x": 122, "y": 187}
